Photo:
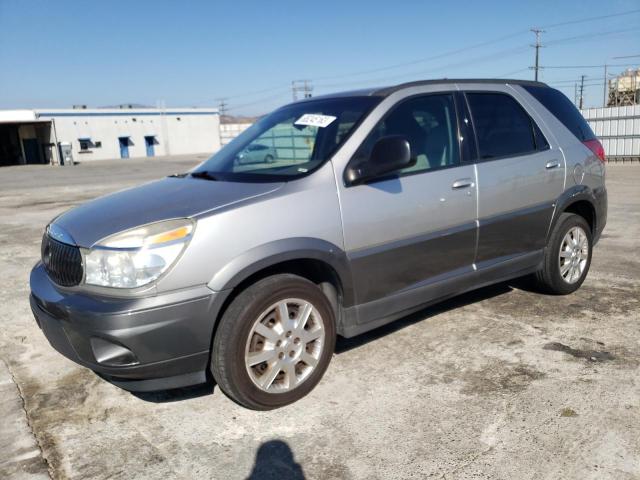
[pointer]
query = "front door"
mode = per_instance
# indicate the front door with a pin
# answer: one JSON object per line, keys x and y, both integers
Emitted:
{"x": 418, "y": 226}
{"x": 149, "y": 142}
{"x": 520, "y": 177}
{"x": 124, "y": 147}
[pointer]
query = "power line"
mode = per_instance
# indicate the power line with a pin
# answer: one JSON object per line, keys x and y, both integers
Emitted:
{"x": 257, "y": 102}
{"x": 591, "y": 36}
{"x": 446, "y": 54}
{"x": 472, "y": 47}
{"x": 496, "y": 55}
{"x": 424, "y": 59}
{"x": 587, "y": 66}
{"x": 500, "y": 54}
{"x": 590, "y": 19}
{"x": 507, "y": 74}
{"x": 626, "y": 56}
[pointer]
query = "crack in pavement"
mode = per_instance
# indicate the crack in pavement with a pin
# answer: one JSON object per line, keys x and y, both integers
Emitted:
{"x": 23, "y": 405}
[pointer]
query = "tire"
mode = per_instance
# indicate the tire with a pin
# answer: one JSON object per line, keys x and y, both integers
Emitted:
{"x": 269, "y": 159}
{"x": 553, "y": 278}
{"x": 257, "y": 311}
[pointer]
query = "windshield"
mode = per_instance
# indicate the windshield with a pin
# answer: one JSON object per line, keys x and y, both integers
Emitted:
{"x": 288, "y": 143}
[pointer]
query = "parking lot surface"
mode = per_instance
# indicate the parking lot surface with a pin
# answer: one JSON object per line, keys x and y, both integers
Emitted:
{"x": 499, "y": 383}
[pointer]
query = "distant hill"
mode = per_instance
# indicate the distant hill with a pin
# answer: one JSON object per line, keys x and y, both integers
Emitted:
{"x": 238, "y": 119}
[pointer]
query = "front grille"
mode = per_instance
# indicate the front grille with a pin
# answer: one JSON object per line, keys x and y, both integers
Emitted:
{"x": 63, "y": 262}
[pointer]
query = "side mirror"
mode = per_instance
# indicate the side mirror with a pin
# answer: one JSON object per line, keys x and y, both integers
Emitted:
{"x": 389, "y": 154}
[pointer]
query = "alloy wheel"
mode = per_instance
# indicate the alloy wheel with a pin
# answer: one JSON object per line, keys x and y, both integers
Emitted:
{"x": 573, "y": 255}
{"x": 284, "y": 345}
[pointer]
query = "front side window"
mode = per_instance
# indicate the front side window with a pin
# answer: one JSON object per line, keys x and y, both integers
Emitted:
{"x": 429, "y": 125}
{"x": 502, "y": 126}
{"x": 290, "y": 142}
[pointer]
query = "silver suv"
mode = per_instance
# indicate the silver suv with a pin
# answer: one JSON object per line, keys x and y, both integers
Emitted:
{"x": 380, "y": 202}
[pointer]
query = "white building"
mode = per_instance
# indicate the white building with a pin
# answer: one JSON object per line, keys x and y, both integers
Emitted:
{"x": 46, "y": 135}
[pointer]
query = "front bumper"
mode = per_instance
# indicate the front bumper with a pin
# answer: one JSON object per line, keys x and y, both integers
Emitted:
{"x": 139, "y": 344}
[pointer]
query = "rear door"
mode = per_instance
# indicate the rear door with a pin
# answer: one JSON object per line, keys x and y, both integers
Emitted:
{"x": 520, "y": 176}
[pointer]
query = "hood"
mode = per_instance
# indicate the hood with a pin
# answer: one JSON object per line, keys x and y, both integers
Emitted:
{"x": 171, "y": 197}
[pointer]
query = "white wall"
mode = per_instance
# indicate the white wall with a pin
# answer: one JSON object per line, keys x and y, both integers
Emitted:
{"x": 229, "y": 131}
{"x": 618, "y": 128}
{"x": 177, "y": 131}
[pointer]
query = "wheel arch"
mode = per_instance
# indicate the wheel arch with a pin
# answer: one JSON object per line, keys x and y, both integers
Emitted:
{"x": 580, "y": 200}
{"x": 317, "y": 260}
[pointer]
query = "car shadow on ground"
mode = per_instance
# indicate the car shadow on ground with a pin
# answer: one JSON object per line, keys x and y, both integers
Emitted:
{"x": 177, "y": 394}
{"x": 346, "y": 344}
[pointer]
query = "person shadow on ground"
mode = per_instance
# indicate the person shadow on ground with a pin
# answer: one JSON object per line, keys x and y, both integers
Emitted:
{"x": 274, "y": 460}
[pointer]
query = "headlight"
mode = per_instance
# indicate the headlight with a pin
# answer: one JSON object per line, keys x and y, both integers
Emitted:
{"x": 138, "y": 256}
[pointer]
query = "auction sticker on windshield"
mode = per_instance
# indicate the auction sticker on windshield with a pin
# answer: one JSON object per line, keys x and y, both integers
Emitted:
{"x": 315, "y": 120}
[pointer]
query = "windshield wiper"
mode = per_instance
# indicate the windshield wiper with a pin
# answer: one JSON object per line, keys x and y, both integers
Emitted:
{"x": 204, "y": 175}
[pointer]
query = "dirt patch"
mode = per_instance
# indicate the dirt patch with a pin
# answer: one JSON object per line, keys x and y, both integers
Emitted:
{"x": 568, "y": 412}
{"x": 500, "y": 378}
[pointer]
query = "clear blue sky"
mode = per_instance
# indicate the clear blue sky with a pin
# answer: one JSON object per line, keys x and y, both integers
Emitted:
{"x": 59, "y": 53}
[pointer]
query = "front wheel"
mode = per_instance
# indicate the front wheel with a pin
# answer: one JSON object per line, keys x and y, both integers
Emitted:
{"x": 567, "y": 257}
{"x": 274, "y": 342}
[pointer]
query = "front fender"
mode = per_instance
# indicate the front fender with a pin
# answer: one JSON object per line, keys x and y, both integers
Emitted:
{"x": 278, "y": 251}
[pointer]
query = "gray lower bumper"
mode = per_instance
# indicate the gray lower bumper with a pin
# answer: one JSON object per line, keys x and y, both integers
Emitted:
{"x": 138, "y": 344}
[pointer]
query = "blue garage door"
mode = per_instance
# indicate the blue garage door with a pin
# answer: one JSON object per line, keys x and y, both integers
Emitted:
{"x": 149, "y": 142}
{"x": 124, "y": 147}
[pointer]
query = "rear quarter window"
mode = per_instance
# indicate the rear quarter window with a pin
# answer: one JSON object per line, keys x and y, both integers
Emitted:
{"x": 562, "y": 108}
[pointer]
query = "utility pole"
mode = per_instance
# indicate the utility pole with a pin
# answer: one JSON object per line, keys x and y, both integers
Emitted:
{"x": 222, "y": 106}
{"x": 581, "y": 91}
{"x": 606, "y": 89}
{"x": 301, "y": 86}
{"x": 537, "y": 46}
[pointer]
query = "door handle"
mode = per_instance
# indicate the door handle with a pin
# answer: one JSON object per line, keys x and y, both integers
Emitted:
{"x": 552, "y": 164}
{"x": 463, "y": 183}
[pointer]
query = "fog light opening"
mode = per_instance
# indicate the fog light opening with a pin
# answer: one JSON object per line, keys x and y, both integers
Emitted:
{"x": 112, "y": 354}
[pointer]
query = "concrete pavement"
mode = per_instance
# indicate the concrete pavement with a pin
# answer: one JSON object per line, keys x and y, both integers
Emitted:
{"x": 499, "y": 383}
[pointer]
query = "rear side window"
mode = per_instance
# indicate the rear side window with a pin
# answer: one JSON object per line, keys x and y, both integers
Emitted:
{"x": 562, "y": 108}
{"x": 503, "y": 128}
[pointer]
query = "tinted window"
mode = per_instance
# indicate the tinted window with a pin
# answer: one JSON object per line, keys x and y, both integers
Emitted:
{"x": 428, "y": 123}
{"x": 502, "y": 126}
{"x": 562, "y": 108}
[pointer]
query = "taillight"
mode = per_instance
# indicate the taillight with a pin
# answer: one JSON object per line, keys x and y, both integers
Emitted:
{"x": 596, "y": 147}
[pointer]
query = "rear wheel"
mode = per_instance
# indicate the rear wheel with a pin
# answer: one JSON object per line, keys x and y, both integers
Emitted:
{"x": 269, "y": 159}
{"x": 567, "y": 257}
{"x": 274, "y": 342}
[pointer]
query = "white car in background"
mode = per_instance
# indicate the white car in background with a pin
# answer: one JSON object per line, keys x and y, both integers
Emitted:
{"x": 257, "y": 153}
